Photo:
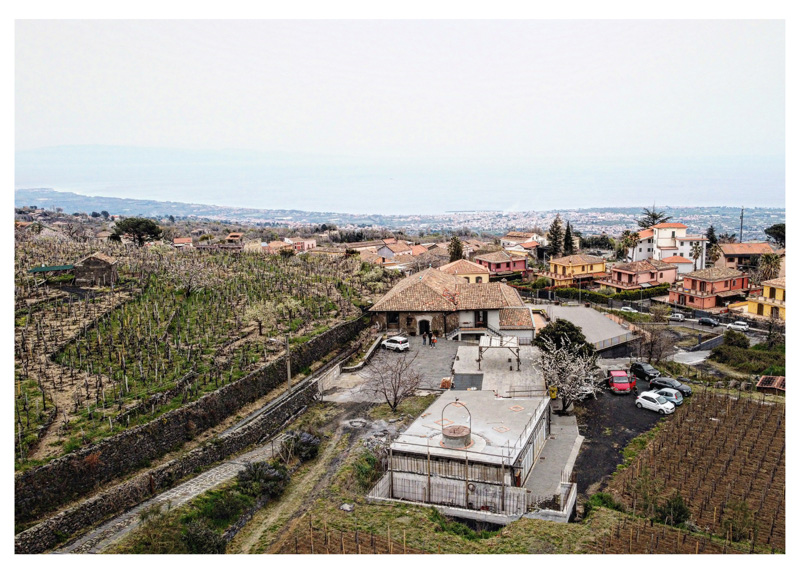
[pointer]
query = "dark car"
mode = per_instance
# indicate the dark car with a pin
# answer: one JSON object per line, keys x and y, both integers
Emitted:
{"x": 670, "y": 383}
{"x": 708, "y": 321}
{"x": 644, "y": 370}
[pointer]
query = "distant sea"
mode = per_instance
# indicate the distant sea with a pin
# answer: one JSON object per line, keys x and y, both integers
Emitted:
{"x": 349, "y": 186}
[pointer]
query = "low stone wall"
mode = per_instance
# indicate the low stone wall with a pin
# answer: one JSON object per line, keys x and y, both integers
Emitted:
{"x": 53, "y": 531}
{"x": 708, "y": 344}
{"x": 43, "y": 489}
{"x": 370, "y": 352}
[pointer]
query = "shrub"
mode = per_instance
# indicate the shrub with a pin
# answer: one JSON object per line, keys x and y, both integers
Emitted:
{"x": 602, "y": 500}
{"x": 200, "y": 538}
{"x": 751, "y": 361}
{"x": 367, "y": 468}
{"x": 304, "y": 445}
{"x": 736, "y": 339}
{"x": 262, "y": 478}
{"x": 737, "y": 521}
{"x": 674, "y": 511}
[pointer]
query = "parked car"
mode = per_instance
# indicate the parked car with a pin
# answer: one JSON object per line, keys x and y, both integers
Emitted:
{"x": 628, "y": 309}
{"x": 651, "y": 400}
{"x": 739, "y": 326}
{"x": 620, "y": 381}
{"x": 396, "y": 343}
{"x": 672, "y": 395}
{"x": 670, "y": 383}
{"x": 708, "y": 321}
{"x": 677, "y": 317}
{"x": 644, "y": 371}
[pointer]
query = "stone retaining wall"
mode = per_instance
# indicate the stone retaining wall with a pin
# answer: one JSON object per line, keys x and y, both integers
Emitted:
{"x": 43, "y": 489}
{"x": 60, "y": 527}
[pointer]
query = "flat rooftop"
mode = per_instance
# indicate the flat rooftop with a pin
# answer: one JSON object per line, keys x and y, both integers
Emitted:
{"x": 500, "y": 426}
{"x": 595, "y": 326}
{"x": 498, "y": 367}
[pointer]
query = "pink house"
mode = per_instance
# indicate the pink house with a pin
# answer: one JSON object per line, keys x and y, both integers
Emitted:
{"x": 640, "y": 274}
{"x": 501, "y": 263}
{"x": 709, "y": 288}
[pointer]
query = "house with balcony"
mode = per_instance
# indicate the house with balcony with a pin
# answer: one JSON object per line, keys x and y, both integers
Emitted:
{"x": 742, "y": 256}
{"x": 575, "y": 270}
{"x": 710, "y": 288}
{"x": 772, "y": 301}
{"x": 452, "y": 307}
{"x": 501, "y": 263}
{"x": 640, "y": 274}
{"x": 473, "y": 272}
{"x": 665, "y": 240}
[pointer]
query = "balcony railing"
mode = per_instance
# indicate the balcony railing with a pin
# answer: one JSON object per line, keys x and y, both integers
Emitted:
{"x": 768, "y": 300}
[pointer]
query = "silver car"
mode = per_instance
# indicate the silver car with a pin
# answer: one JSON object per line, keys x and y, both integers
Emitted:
{"x": 739, "y": 326}
{"x": 672, "y": 395}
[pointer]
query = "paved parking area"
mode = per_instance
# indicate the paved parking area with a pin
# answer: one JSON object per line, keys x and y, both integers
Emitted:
{"x": 433, "y": 363}
{"x": 595, "y": 326}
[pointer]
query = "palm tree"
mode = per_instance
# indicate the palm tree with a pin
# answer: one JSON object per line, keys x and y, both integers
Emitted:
{"x": 697, "y": 252}
{"x": 652, "y": 217}
{"x": 714, "y": 253}
{"x": 628, "y": 240}
{"x": 769, "y": 266}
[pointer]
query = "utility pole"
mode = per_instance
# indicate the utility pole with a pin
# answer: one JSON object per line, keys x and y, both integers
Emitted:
{"x": 288, "y": 368}
{"x": 741, "y": 225}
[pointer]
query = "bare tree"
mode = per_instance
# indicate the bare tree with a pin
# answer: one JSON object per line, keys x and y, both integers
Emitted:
{"x": 572, "y": 371}
{"x": 657, "y": 341}
{"x": 392, "y": 378}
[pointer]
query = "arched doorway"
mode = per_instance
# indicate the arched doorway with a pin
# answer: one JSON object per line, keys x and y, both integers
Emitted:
{"x": 424, "y": 326}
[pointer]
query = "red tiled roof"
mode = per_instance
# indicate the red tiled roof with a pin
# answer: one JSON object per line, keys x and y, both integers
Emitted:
{"x": 529, "y": 245}
{"x": 715, "y": 273}
{"x": 669, "y": 226}
{"x": 463, "y": 266}
{"x": 417, "y": 250}
{"x": 182, "y": 241}
{"x": 745, "y": 248}
{"x": 499, "y": 256}
{"x": 646, "y": 234}
{"x": 516, "y": 318}
{"x": 578, "y": 259}
{"x": 677, "y": 260}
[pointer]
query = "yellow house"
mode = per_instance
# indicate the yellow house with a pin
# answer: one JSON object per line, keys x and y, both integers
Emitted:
{"x": 472, "y": 271}
{"x": 574, "y": 269}
{"x": 772, "y": 301}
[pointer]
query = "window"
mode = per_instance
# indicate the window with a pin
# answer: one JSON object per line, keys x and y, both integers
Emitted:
{"x": 392, "y": 318}
{"x": 640, "y": 249}
{"x": 661, "y": 275}
{"x": 681, "y": 254}
{"x": 478, "y": 279}
{"x": 673, "y": 234}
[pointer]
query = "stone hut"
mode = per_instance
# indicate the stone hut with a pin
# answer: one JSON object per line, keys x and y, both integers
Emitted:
{"x": 97, "y": 269}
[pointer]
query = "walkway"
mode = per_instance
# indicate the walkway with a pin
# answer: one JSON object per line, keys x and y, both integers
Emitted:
{"x": 559, "y": 454}
{"x": 110, "y": 532}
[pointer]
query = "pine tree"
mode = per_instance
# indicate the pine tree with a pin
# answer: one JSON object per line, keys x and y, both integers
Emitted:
{"x": 556, "y": 237}
{"x": 711, "y": 235}
{"x": 455, "y": 249}
{"x": 569, "y": 245}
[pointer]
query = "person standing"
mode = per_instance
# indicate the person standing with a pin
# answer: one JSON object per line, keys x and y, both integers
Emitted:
{"x": 434, "y": 341}
{"x": 424, "y": 337}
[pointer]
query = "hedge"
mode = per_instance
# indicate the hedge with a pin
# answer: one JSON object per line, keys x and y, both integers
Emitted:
{"x": 597, "y": 298}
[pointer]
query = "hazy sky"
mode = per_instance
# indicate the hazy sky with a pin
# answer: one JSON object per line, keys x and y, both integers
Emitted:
{"x": 409, "y": 89}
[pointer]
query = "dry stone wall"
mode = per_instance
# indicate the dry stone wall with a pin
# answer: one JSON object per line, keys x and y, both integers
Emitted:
{"x": 45, "y": 488}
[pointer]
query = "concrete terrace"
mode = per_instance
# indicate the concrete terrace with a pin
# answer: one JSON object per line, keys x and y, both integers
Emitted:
{"x": 596, "y": 327}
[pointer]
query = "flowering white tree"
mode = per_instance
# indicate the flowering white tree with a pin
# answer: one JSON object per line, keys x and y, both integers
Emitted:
{"x": 573, "y": 372}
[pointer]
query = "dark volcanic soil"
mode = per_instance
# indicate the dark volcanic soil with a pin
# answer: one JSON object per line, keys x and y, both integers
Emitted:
{"x": 608, "y": 424}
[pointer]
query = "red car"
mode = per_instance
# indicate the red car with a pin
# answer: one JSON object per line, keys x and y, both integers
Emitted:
{"x": 621, "y": 382}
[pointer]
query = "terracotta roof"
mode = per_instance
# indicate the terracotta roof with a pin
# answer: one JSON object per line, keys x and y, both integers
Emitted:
{"x": 182, "y": 241}
{"x": 518, "y": 235}
{"x": 398, "y": 247}
{"x": 646, "y": 234}
{"x": 235, "y": 236}
{"x": 745, "y": 248}
{"x": 772, "y": 382}
{"x": 775, "y": 283}
{"x": 677, "y": 260}
{"x": 529, "y": 245}
{"x": 365, "y": 244}
{"x": 463, "y": 266}
{"x": 516, "y": 318}
{"x": 499, "y": 256}
{"x": 649, "y": 265}
{"x": 390, "y": 241}
{"x": 367, "y": 256}
{"x": 98, "y": 255}
{"x": 578, "y": 259}
{"x": 434, "y": 290}
{"x": 715, "y": 273}
{"x": 417, "y": 250}
{"x": 669, "y": 226}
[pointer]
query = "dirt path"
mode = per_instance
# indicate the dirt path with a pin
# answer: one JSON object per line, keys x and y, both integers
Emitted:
{"x": 110, "y": 532}
{"x": 265, "y": 532}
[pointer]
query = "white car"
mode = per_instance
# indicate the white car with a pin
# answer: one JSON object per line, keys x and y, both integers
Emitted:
{"x": 651, "y": 400}
{"x": 739, "y": 326}
{"x": 627, "y": 309}
{"x": 676, "y": 317}
{"x": 672, "y": 395}
{"x": 396, "y": 343}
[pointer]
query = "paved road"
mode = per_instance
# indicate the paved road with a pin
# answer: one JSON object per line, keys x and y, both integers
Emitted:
{"x": 110, "y": 532}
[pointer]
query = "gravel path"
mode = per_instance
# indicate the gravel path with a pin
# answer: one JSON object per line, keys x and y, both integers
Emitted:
{"x": 105, "y": 535}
